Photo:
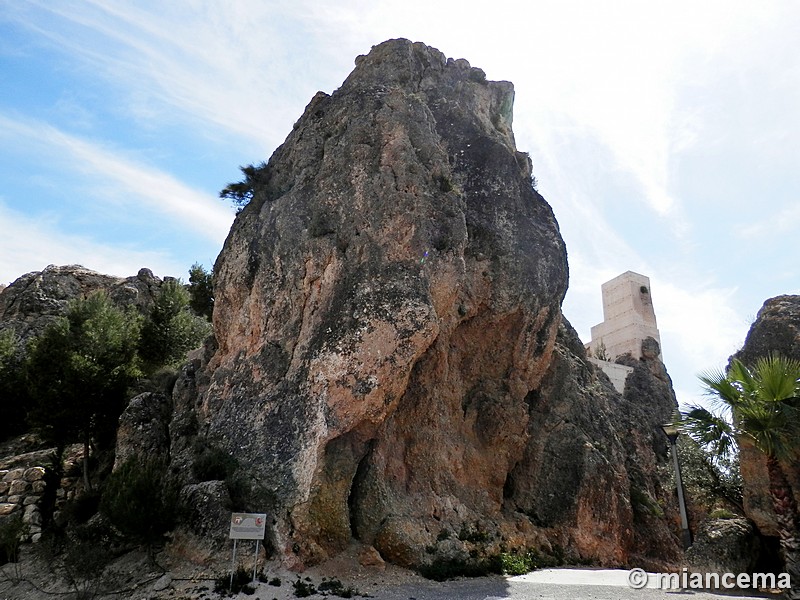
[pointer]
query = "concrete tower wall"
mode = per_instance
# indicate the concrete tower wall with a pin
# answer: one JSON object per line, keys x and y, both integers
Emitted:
{"x": 628, "y": 316}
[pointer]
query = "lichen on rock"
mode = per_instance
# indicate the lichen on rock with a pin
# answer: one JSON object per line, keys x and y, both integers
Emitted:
{"x": 387, "y": 308}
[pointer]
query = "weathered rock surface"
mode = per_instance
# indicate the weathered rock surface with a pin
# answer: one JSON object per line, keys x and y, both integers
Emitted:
{"x": 776, "y": 329}
{"x": 34, "y": 300}
{"x": 143, "y": 431}
{"x": 390, "y": 360}
{"x": 725, "y": 546}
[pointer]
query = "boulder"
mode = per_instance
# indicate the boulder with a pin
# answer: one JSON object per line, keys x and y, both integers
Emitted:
{"x": 36, "y": 299}
{"x": 208, "y": 510}
{"x": 724, "y": 546}
{"x": 143, "y": 429}
{"x": 393, "y": 286}
{"x": 390, "y": 362}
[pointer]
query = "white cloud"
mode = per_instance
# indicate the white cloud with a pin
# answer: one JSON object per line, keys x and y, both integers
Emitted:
{"x": 222, "y": 63}
{"x": 117, "y": 178}
{"x": 28, "y": 244}
{"x": 784, "y": 221}
{"x": 632, "y": 81}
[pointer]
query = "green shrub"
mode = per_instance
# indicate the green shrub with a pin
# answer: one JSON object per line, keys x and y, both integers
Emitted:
{"x": 81, "y": 508}
{"x": 643, "y": 504}
{"x": 212, "y": 463}
{"x": 303, "y": 588}
{"x": 241, "y": 583}
{"x": 519, "y": 563}
{"x": 516, "y": 564}
{"x": 722, "y": 513}
{"x": 442, "y": 569}
{"x": 141, "y": 500}
{"x": 334, "y": 587}
{"x": 201, "y": 290}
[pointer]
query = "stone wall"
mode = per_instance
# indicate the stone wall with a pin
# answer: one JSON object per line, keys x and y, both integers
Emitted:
{"x": 22, "y": 485}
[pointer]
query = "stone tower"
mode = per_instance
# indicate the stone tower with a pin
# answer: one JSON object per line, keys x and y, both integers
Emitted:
{"x": 628, "y": 317}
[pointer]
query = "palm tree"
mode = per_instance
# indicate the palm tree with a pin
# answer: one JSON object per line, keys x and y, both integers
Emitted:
{"x": 764, "y": 402}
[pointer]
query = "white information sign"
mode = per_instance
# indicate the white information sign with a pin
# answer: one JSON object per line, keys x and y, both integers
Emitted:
{"x": 248, "y": 526}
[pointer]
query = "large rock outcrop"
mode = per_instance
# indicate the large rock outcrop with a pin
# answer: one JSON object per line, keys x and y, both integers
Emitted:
{"x": 36, "y": 299}
{"x": 390, "y": 361}
{"x": 776, "y": 329}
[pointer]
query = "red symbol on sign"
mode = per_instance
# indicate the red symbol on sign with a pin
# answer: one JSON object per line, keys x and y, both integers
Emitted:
{"x": 259, "y": 520}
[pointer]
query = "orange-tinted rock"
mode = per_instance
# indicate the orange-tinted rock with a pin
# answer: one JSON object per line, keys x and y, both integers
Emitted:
{"x": 776, "y": 329}
{"x": 387, "y": 313}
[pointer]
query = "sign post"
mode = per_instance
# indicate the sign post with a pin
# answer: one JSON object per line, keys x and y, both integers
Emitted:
{"x": 247, "y": 526}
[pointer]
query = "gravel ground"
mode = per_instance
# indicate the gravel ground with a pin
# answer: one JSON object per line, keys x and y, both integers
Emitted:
{"x": 137, "y": 579}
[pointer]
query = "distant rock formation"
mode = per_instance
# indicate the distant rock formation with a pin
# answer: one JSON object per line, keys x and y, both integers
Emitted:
{"x": 35, "y": 299}
{"x": 776, "y": 329}
{"x": 391, "y": 363}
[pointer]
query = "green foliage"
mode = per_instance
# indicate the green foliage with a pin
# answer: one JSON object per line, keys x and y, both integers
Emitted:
{"x": 241, "y": 583}
{"x": 334, "y": 587}
{"x": 201, "y": 290}
{"x": 601, "y": 353}
{"x": 12, "y": 386}
{"x": 521, "y": 562}
{"x": 81, "y": 508}
{"x": 212, "y": 463}
{"x": 241, "y": 193}
{"x": 711, "y": 431}
{"x": 442, "y": 569}
{"x": 516, "y": 564}
{"x": 722, "y": 513}
{"x": 79, "y": 369}
{"x": 303, "y": 588}
{"x": 706, "y": 480}
{"x": 78, "y": 555}
{"x": 764, "y": 402}
{"x": 141, "y": 500}
{"x": 644, "y": 505}
{"x": 170, "y": 330}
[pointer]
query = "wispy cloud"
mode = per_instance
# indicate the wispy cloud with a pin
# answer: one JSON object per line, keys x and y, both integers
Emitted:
{"x": 222, "y": 63}
{"x": 113, "y": 175}
{"x": 28, "y": 244}
{"x": 784, "y": 221}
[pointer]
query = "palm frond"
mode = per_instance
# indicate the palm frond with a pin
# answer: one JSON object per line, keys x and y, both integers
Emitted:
{"x": 778, "y": 377}
{"x": 718, "y": 386}
{"x": 765, "y": 402}
{"x": 712, "y": 431}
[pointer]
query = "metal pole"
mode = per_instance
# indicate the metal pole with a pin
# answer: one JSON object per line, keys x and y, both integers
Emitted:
{"x": 255, "y": 563}
{"x": 686, "y": 533}
{"x": 233, "y": 564}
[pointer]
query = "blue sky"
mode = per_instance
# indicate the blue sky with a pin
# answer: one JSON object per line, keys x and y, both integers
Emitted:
{"x": 666, "y": 135}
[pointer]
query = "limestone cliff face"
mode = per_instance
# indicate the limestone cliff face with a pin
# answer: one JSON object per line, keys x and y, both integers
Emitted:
{"x": 776, "y": 329}
{"x": 384, "y": 305}
{"x": 387, "y": 318}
